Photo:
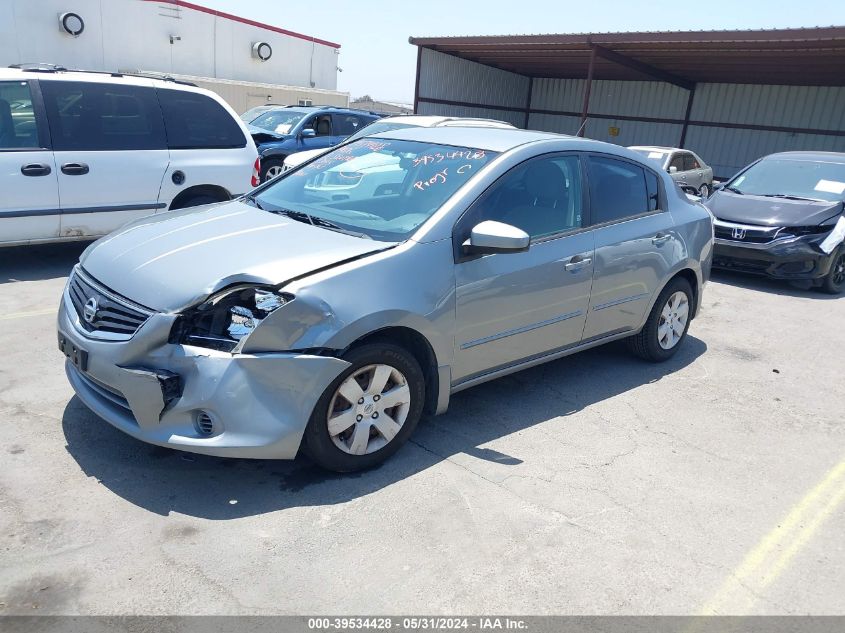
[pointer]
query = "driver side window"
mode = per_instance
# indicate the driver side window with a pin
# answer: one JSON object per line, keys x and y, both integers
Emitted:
{"x": 541, "y": 196}
{"x": 321, "y": 124}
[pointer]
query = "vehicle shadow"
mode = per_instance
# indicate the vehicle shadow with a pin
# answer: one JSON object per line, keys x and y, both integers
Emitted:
{"x": 771, "y": 286}
{"x": 36, "y": 263}
{"x": 164, "y": 480}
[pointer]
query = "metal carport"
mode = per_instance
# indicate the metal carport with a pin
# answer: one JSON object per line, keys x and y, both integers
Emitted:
{"x": 730, "y": 95}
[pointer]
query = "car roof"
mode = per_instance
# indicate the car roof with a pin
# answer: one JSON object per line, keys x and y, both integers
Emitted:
{"x": 56, "y": 73}
{"x": 487, "y": 138}
{"x": 431, "y": 120}
{"x": 818, "y": 157}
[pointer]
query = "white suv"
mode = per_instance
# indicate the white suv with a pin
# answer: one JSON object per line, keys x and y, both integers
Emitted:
{"x": 82, "y": 153}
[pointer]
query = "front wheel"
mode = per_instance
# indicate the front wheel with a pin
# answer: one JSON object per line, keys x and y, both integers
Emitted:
{"x": 667, "y": 324}
{"x": 834, "y": 282}
{"x": 271, "y": 168}
{"x": 369, "y": 411}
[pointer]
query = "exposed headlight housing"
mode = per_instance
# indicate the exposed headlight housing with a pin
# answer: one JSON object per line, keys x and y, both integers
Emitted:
{"x": 225, "y": 318}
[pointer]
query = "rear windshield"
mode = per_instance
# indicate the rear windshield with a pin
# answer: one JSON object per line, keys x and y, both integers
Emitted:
{"x": 793, "y": 178}
{"x": 654, "y": 157}
{"x": 383, "y": 189}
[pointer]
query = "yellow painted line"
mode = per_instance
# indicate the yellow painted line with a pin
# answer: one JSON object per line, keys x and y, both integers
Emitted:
{"x": 24, "y": 315}
{"x": 772, "y": 555}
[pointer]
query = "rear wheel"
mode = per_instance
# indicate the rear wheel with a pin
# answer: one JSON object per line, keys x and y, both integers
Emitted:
{"x": 667, "y": 324}
{"x": 271, "y": 168}
{"x": 369, "y": 411}
{"x": 704, "y": 190}
{"x": 834, "y": 282}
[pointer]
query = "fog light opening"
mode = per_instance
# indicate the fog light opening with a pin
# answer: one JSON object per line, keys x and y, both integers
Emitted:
{"x": 204, "y": 424}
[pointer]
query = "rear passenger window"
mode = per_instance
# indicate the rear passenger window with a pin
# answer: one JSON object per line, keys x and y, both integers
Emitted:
{"x": 653, "y": 190}
{"x": 346, "y": 124}
{"x": 195, "y": 121}
{"x": 690, "y": 162}
{"x": 617, "y": 190}
{"x": 18, "y": 129}
{"x": 102, "y": 117}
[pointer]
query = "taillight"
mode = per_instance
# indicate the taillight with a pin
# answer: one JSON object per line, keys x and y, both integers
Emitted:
{"x": 256, "y": 172}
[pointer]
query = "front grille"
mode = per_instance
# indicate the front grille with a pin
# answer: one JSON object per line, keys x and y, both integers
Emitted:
{"x": 103, "y": 313}
{"x": 749, "y": 234}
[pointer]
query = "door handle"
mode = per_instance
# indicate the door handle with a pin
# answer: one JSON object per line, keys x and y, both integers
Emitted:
{"x": 75, "y": 169}
{"x": 660, "y": 238}
{"x": 35, "y": 169}
{"x": 578, "y": 263}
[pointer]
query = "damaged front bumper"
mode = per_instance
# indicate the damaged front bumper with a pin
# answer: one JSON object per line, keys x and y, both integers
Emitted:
{"x": 194, "y": 399}
{"x": 795, "y": 258}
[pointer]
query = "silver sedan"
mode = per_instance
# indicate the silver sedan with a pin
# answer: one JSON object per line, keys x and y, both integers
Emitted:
{"x": 684, "y": 166}
{"x": 332, "y": 307}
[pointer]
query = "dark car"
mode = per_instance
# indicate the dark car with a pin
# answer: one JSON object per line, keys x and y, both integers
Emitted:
{"x": 782, "y": 217}
{"x": 283, "y": 131}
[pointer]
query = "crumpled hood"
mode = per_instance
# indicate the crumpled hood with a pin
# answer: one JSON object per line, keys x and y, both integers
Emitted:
{"x": 750, "y": 209}
{"x": 172, "y": 260}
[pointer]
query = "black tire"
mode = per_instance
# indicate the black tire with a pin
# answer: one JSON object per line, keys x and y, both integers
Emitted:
{"x": 318, "y": 443}
{"x": 704, "y": 191}
{"x": 834, "y": 282}
{"x": 645, "y": 343}
{"x": 270, "y": 163}
{"x": 196, "y": 201}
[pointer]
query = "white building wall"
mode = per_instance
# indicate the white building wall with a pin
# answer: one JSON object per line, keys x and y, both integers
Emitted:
{"x": 135, "y": 34}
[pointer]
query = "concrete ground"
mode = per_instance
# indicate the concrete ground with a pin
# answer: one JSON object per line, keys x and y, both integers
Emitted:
{"x": 596, "y": 484}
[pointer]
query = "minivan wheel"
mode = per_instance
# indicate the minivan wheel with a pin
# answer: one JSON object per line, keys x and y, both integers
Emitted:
{"x": 834, "y": 282}
{"x": 667, "y": 324}
{"x": 368, "y": 411}
{"x": 271, "y": 168}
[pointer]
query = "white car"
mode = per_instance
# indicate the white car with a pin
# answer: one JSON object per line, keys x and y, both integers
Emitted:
{"x": 82, "y": 153}
{"x": 685, "y": 167}
{"x": 391, "y": 123}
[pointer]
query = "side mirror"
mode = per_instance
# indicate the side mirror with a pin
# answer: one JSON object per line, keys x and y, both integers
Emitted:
{"x": 307, "y": 133}
{"x": 496, "y": 237}
{"x": 673, "y": 169}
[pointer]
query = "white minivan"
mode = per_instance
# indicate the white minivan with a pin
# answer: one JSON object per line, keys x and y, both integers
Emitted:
{"x": 82, "y": 153}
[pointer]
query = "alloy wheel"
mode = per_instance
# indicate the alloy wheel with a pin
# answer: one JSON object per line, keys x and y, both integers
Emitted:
{"x": 273, "y": 172}
{"x": 839, "y": 270}
{"x": 368, "y": 409}
{"x": 673, "y": 320}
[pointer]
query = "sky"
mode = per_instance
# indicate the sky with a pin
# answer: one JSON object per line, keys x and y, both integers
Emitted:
{"x": 377, "y": 59}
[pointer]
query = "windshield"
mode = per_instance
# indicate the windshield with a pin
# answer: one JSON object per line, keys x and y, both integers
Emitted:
{"x": 658, "y": 158}
{"x": 279, "y": 121}
{"x": 793, "y": 178}
{"x": 384, "y": 189}
{"x": 252, "y": 113}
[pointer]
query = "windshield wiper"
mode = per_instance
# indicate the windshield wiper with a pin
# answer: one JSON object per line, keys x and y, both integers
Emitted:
{"x": 735, "y": 190}
{"x": 301, "y": 216}
{"x": 790, "y": 197}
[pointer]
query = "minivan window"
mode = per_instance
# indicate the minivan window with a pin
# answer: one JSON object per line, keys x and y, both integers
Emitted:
{"x": 381, "y": 188}
{"x": 102, "y": 117}
{"x": 18, "y": 129}
{"x": 195, "y": 121}
{"x": 542, "y": 197}
{"x": 617, "y": 189}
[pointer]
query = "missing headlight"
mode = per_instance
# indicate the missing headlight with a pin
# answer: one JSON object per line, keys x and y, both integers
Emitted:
{"x": 227, "y": 317}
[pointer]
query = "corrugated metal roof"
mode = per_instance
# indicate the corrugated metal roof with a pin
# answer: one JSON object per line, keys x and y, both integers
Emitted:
{"x": 803, "y": 56}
